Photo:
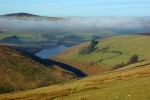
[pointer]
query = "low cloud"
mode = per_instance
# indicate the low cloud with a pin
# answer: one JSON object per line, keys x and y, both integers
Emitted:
{"x": 78, "y": 25}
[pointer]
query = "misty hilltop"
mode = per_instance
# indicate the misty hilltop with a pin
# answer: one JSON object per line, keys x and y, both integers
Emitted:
{"x": 28, "y": 16}
{"x": 21, "y": 15}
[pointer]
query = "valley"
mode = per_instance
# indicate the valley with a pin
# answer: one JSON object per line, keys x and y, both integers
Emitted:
{"x": 74, "y": 58}
{"x": 61, "y": 74}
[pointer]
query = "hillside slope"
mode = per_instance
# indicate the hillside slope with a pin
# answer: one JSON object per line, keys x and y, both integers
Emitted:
{"x": 131, "y": 83}
{"x": 18, "y": 71}
{"x": 110, "y": 52}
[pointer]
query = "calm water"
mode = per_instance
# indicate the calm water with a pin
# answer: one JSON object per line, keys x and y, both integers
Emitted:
{"x": 47, "y": 53}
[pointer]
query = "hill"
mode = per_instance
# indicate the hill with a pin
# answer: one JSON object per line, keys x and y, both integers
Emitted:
{"x": 110, "y": 52}
{"x": 25, "y": 16}
{"x": 131, "y": 83}
{"x": 21, "y": 15}
{"x": 20, "y": 71}
{"x": 11, "y": 40}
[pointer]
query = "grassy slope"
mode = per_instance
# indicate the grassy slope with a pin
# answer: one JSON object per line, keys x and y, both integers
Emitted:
{"x": 131, "y": 83}
{"x": 18, "y": 70}
{"x": 106, "y": 56}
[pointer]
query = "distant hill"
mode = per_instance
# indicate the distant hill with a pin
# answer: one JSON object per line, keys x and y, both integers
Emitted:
{"x": 11, "y": 40}
{"x": 148, "y": 34}
{"x": 20, "y": 71}
{"x": 21, "y": 15}
{"x": 71, "y": 40}
{"x": 71, "y": 37}
{"x": 27, "y": 15}
{"x": 109, "y": 53}
{"x": 1, "y": 31}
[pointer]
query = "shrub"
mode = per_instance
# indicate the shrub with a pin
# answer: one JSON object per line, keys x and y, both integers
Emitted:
{"x": 118, "y": 66}
{"x": 89, "y": 49}
{"x": 133, "y": 59}
{"x": 84, "y": 51}
{"x": 6, "y": 89}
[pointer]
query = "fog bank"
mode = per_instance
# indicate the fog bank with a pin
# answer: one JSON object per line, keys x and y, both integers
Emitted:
{"x": 97, "y": 25}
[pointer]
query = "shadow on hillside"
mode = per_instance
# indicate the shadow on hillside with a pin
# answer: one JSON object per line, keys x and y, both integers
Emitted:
{"x": 48, "y": 63}
{"x": 62, "y": 65}
{"x": 67, "y": 67}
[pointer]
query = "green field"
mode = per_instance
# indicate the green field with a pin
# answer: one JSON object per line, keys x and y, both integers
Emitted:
{"x": 109, "y": 52}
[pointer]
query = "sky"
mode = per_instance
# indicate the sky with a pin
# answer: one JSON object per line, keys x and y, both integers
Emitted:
{"x": 85, "y": 8}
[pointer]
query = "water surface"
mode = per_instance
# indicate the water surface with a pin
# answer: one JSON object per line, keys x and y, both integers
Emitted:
{"x": 49, "y": 52}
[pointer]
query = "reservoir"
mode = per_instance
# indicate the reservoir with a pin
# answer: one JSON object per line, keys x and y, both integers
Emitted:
{"x": 49, "y": 52}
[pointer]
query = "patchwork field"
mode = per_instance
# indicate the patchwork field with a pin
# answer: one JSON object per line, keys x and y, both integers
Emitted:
{"x": 110, "y": 52}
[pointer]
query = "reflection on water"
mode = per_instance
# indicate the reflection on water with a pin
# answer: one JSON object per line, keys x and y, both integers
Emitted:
{"x": 49, "y": 52}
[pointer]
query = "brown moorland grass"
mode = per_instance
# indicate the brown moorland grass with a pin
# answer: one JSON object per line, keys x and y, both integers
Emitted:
{"x": 131, "y": 83}
{"x": 87, "y": 67}
{"x": 20, "y": 72}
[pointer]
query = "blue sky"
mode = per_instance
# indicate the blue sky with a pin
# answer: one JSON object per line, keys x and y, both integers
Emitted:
{"x": 77, "y": 7}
